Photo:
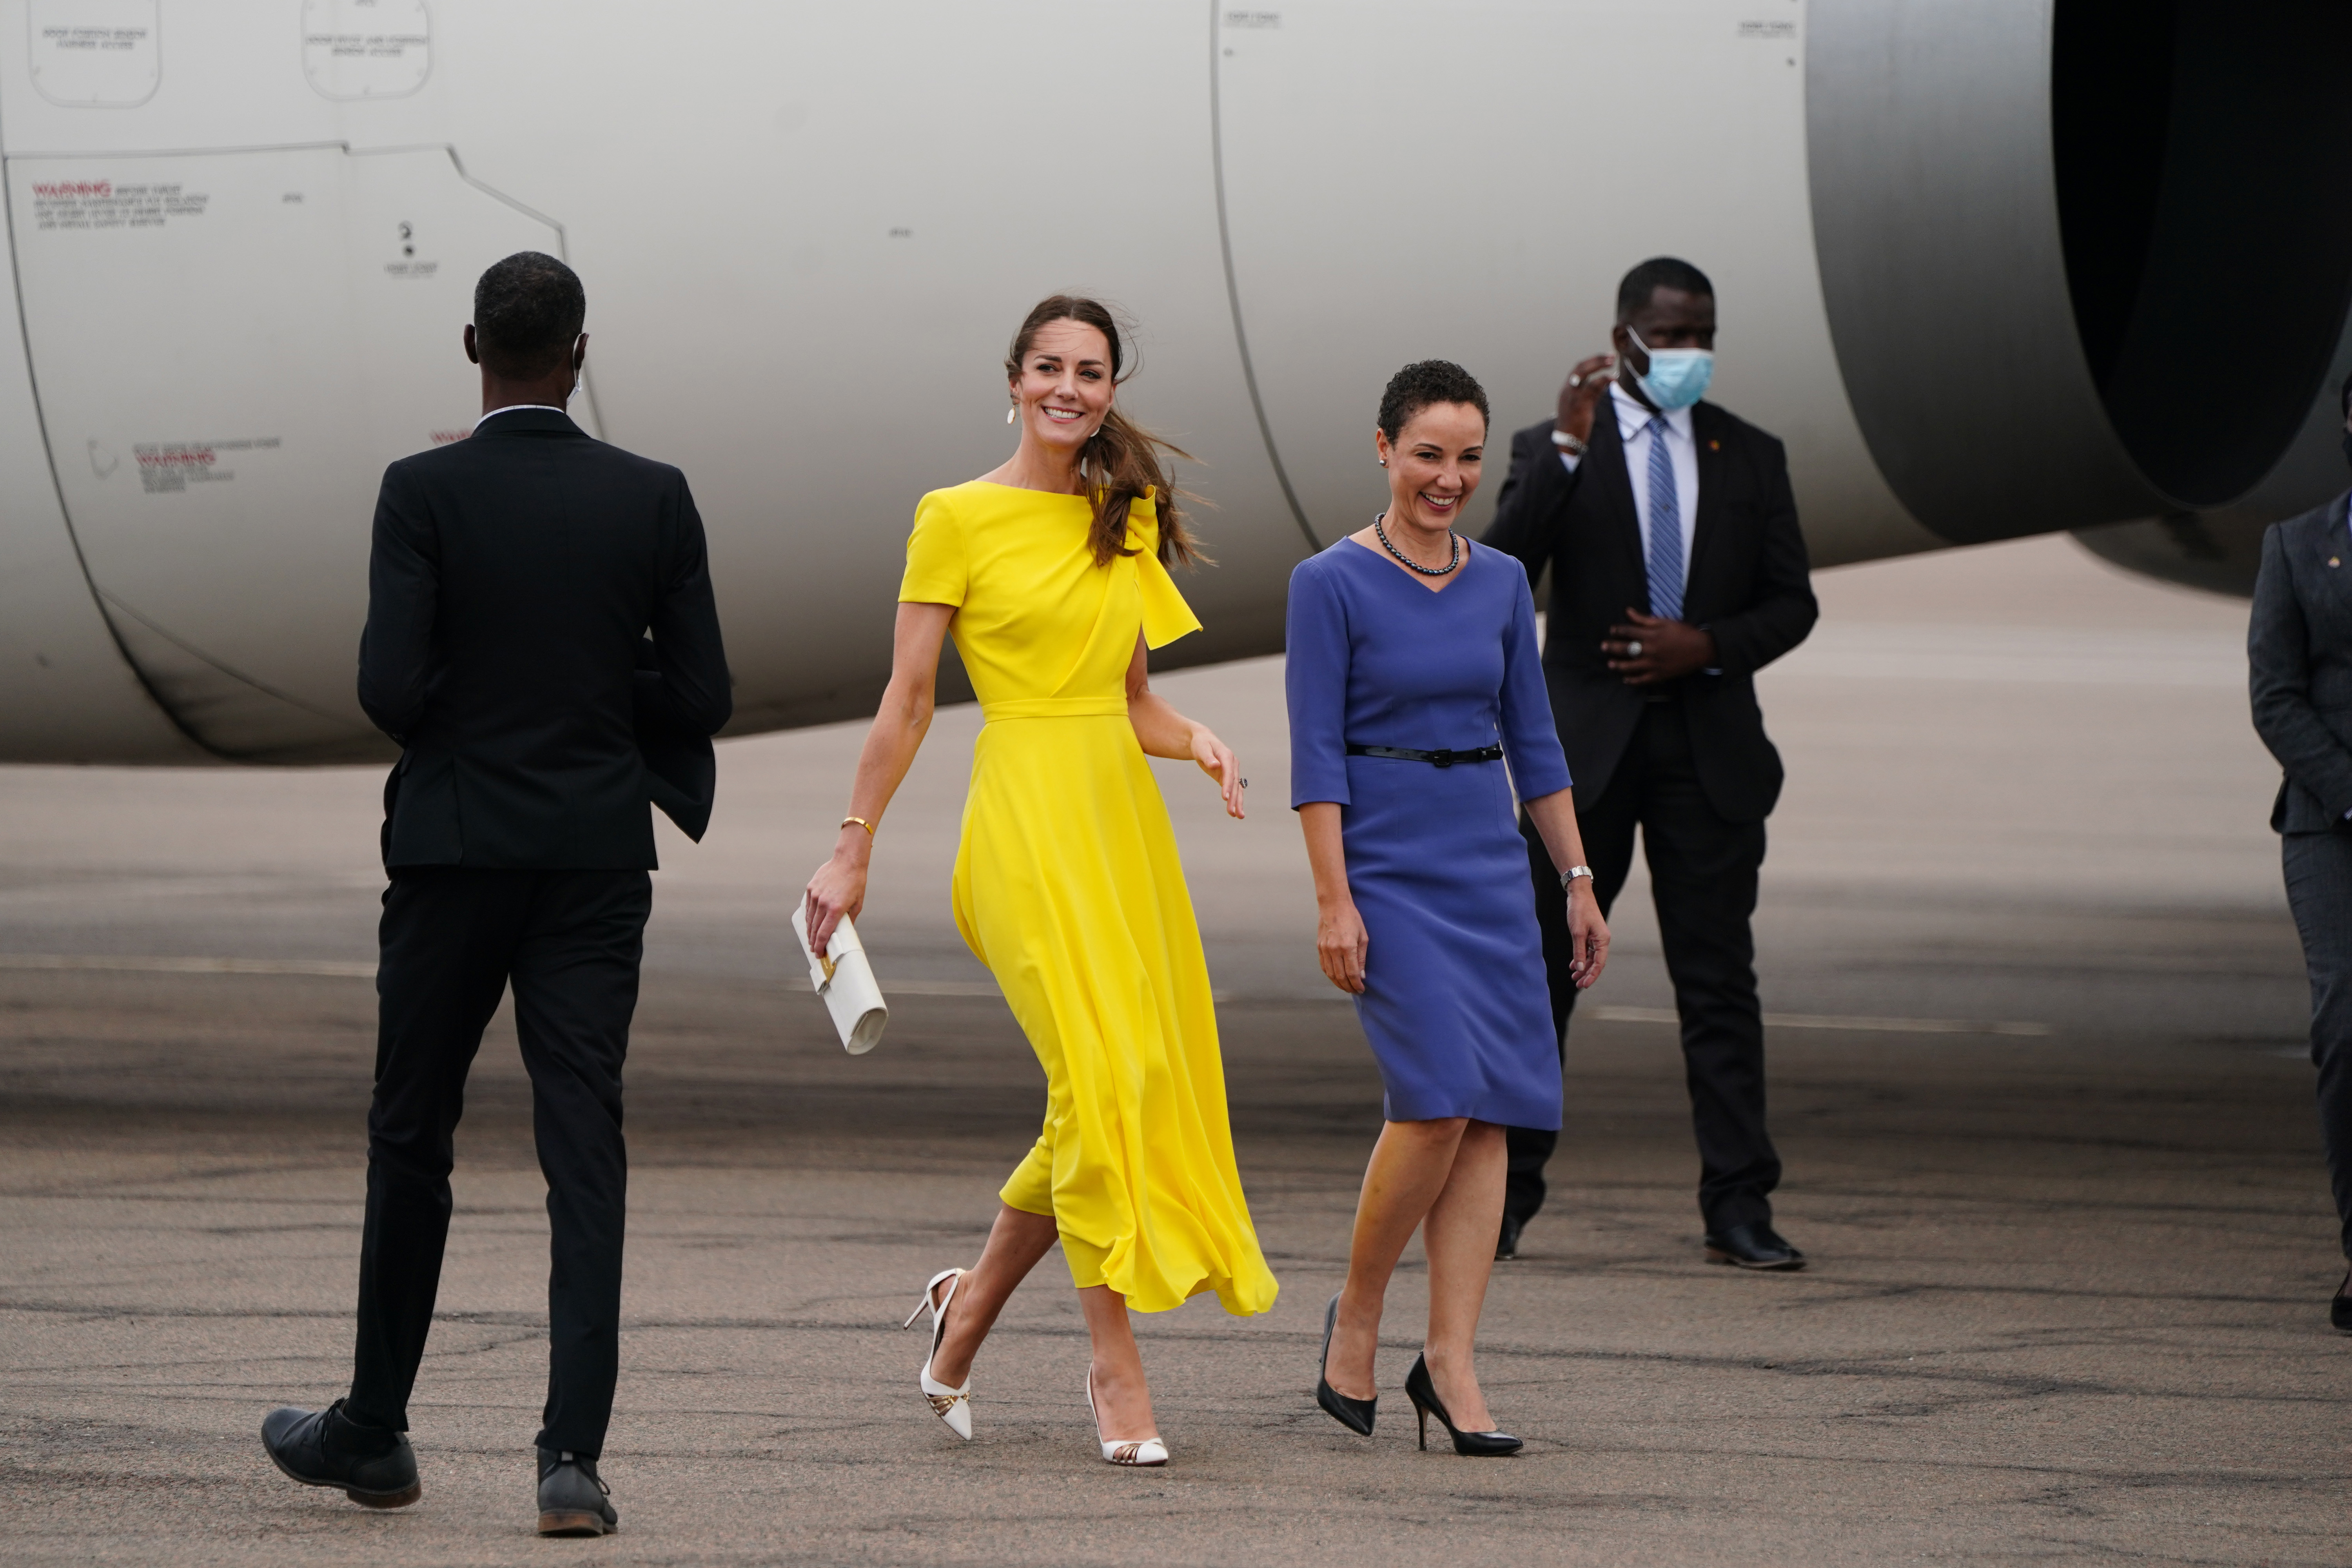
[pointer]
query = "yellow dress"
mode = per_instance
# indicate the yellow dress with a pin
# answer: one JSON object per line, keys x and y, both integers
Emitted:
{"x": 1068, "y": 885}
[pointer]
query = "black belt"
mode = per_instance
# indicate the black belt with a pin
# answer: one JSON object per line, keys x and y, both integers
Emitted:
{"x": 1441, "y": 758}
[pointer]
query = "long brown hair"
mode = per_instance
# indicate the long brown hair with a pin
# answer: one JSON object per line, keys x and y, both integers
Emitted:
{"x": 1120, "y": 461}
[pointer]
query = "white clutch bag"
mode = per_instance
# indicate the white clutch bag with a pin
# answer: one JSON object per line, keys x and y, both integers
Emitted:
{"x": 845, "y": 981}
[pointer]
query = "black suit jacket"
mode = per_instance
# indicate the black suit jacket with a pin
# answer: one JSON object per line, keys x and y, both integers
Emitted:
{"x": 513, "y": 578}
{"x": 2299, "y": 666}
{"x": 1748, "y": 583}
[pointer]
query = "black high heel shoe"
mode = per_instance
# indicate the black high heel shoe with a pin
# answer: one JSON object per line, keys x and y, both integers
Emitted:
{"x": 1426, "y": 1404}
{"x": 1355, "y": 1415}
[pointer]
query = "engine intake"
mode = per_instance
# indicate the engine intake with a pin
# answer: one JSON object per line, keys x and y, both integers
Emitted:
{"x": 2166, "y": 184}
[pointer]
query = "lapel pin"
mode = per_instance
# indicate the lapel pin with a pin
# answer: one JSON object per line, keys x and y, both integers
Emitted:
{"x": 2333, "y": 561}
{"x": 1715, "y": 446}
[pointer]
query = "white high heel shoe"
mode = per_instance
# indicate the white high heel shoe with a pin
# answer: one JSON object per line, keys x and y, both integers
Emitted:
{"x": 952, "y": 1406}
{"x": 1141, "y": 1453}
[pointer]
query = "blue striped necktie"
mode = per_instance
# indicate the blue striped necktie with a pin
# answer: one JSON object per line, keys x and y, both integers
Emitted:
{"x": 1665, "y": 527}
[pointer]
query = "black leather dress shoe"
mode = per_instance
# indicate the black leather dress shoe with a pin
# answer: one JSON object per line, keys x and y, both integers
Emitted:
{"x": 572, "y": 1498}
{"x": 376, "y": 1468}
{"x": 1507, "y": 1245}
{"x": 2339, "y": 1310}
{"x": 1752, "y": 1247}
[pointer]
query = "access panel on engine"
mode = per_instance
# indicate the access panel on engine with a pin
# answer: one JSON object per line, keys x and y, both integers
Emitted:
{"x": 228, "y": 348}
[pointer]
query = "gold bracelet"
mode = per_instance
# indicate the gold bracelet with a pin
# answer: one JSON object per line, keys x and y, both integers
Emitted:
{"x": 861, "y": 822}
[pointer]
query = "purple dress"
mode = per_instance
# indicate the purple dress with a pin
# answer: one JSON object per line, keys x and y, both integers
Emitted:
{"x": 1454, "y": 1001}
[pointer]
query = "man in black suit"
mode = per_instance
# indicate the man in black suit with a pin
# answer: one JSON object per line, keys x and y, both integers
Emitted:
{"x": 1677, "y": 571}
{"x": 2299, "y": 664}
{"x": 513, "y": 579}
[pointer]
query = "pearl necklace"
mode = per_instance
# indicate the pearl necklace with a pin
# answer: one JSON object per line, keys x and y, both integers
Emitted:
{"x": 1382, "y": 534}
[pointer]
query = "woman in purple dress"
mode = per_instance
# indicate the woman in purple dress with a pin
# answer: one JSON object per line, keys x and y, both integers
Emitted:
{"x": 1413, "y": 682}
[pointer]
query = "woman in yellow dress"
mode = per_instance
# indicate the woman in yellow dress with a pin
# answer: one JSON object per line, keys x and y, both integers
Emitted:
{"x": 1051, "y": 573}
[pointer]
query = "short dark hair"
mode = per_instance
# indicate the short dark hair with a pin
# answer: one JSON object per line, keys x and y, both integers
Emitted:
{"x": 1658, "y": 272}
{"x": 1423, "y": 383}
{"x": 527, "y": 314}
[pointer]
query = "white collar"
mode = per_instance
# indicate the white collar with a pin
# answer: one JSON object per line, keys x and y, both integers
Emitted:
{"x": 519, "y": 408}
{"x": 1631, "y": 416}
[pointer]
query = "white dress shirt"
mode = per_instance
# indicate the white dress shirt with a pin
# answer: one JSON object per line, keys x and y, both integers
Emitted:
{"x": 1681, "y": 451}
{"x": 516, "y": 407}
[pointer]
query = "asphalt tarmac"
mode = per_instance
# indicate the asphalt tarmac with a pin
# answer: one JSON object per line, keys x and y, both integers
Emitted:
{"x": 2038, "y": 1079}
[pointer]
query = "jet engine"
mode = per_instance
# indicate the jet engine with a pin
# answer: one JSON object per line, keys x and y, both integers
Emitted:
{"x": 1989, "y": 268}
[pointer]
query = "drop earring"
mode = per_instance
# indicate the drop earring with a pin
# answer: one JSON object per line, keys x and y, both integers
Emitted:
{"x": 1011, "y": 414}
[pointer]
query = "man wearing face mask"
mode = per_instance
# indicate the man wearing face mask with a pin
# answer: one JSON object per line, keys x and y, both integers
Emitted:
{"x": 2299, "y": 664}
{"x": 1677, "y": 571}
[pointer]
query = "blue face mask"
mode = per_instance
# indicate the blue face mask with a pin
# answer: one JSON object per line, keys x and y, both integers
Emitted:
{"x": 1678, "y": 377}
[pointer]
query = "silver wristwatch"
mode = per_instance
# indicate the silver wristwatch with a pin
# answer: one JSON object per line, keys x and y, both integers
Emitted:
{"x": 1568, "y": 877}
{"x": 1568, "y": 443}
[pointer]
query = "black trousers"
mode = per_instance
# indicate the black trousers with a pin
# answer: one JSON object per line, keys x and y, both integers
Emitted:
{"x": 451, "y": 940}
{"x": 1703, "y": 873}
{"x": 2319, "y": 890}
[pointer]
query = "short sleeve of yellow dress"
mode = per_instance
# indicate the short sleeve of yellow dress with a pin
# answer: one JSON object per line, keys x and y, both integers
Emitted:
{"x": 1068, "y": 885}
{"x": 935, "y": 562}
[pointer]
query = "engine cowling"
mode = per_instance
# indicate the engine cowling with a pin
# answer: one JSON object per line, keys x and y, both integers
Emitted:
{"x": 2087, "y": 264}
{"x": 1988, "y": 267}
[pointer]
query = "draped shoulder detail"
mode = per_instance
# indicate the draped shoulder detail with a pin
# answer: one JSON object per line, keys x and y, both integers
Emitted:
{"x": 1166, "y": 615}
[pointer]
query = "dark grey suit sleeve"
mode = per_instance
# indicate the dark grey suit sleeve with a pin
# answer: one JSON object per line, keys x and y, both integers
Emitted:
{"x": 1784, "y": 610}
{"x": 403, "y": 594}
{"x": 696, "y": 689}
{"x": 1527, "y": 512}
{"x": 2278, "y": 678}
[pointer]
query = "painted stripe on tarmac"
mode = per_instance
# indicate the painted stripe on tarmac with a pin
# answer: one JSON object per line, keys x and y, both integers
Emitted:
{"x": 131, "y": 964}
{"x": 347, "y": 970}
{"x": 1839, "y": 1021}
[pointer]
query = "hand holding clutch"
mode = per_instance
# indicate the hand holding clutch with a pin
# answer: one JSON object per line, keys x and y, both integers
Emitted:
{"x": 843, "y": 977}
